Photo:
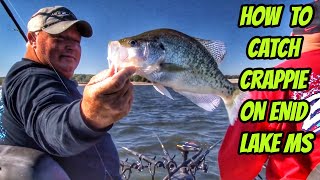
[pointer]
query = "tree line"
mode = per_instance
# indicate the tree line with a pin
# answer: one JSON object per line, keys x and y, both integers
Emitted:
{"x": 232, "y": 76}
{"x": 1, "y": 80}
{"x": 84, "y": 78}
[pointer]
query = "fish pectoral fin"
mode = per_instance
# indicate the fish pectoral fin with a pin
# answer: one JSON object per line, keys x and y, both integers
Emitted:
{"x": 216, "y": 48}
{"x": 170, "y": 67}
{"x": 164, "y": 67}
{"x": 162, "y": 90}
{"x": 152, "y": 68}
{"x": 208, "y": 102}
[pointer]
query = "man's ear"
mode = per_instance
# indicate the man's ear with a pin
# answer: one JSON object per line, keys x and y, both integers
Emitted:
{"x": 32, "y": 39}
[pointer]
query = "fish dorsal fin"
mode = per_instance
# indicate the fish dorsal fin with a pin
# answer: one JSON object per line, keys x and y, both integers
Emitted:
{"x": 216, "y": 48}
{"x": 208, "y": 102}
{"x": 162, "y": 90}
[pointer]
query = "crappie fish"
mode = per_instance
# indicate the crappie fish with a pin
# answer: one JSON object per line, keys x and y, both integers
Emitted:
{"x": 188, "y": 65}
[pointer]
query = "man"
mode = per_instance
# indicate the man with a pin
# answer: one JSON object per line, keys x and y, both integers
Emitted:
{"x": 43, "y": 109}
{"x": 280, "y": 166}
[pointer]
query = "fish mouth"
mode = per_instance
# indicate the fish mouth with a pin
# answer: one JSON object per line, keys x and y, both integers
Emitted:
{"x": 116, "y": 53}
{"x": 121, "y": 56}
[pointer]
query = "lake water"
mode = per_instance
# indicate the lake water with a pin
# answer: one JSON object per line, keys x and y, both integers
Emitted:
{"x": 174, "y": 121}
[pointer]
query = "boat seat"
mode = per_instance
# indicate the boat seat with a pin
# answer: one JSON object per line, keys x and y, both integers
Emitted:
{"x": 28, "y": 164}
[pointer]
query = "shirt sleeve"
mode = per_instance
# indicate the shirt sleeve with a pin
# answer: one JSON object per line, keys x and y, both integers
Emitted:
{"x": 233, "y": 165}
{"x": 50, "y": 114}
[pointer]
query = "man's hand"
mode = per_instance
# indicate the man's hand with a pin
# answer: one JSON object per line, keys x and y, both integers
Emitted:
{"x": 107, "y": 97}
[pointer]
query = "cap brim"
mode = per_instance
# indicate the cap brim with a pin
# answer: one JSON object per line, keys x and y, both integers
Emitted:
{"x": 83, "y": 27}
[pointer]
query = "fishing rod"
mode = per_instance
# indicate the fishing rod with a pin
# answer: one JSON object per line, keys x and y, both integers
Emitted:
{"x": 186, "y": 170}
{"x": 25, "y": 37}
{"x": 152, "y": 164}
{"x": 13, "y": 19}
{"x": 143, "y": 157}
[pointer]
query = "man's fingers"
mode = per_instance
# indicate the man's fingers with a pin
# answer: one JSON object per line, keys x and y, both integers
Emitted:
{"x": 125, "y": 73}
{"x": 126, "y": 88}
{"x": 129, "y": 92}
{"x": 102, "y": 75}
{"x": 120, "y": 78}
{"x": 116, "y": 82}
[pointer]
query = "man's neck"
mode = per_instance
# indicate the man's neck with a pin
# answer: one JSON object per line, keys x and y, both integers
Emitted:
{"x": 311, "y": 42}
{"x": 310, "y": 47}
{"x": 31, "y": 54}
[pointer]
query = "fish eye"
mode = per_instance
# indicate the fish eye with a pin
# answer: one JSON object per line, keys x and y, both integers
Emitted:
{"x": 132, "y": 43}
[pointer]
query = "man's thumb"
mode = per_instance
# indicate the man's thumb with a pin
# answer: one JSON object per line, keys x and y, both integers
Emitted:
{"x": 102, "y": 75}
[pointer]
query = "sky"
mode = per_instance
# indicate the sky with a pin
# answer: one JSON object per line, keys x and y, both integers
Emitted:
{"x": 115, "y": 19}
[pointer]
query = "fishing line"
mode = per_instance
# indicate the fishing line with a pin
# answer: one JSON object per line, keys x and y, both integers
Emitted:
{"x": 33, "y": 35}
{"x": 17, "y": 14}
{"x": 53, "y": 70}
{"x": 13, "y": 19}
{"x": 104, "y": 167}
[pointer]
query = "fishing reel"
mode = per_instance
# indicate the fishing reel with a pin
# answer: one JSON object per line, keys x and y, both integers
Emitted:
{"x": 151, "y": 165}
{"x": 198, "y": 164}
{"x": 186, "y": 170}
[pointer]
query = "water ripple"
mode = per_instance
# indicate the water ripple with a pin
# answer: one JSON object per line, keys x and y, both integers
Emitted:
{"x": 174, "y": 121}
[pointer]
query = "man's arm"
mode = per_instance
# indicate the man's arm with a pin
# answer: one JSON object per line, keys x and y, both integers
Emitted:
{"x": 54, "y": 119}
{"x": 51, "y": 116}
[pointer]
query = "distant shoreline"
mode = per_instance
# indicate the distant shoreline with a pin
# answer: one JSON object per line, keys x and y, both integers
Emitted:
{"x": 234, "y": 81}
{"x": 134, "y": 83}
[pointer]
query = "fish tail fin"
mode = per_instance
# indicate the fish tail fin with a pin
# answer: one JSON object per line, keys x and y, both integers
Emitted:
{"x": 233, "y": 104}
